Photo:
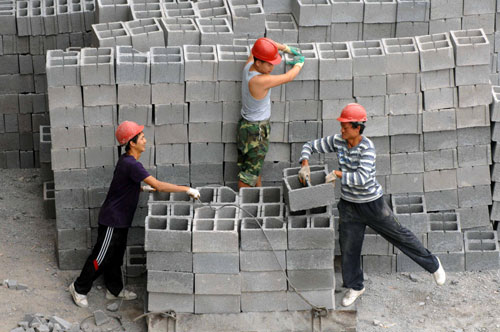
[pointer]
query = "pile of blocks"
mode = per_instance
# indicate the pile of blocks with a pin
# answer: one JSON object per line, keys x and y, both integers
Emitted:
{"x": 217, "y": 259}
{"x": 28, "y": 29}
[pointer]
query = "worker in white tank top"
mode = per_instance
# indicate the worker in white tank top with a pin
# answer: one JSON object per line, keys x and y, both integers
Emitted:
{"x": 254, "y": 127}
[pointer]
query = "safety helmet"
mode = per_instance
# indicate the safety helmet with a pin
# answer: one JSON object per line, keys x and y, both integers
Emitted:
{"x": 353, "y": 113}
{"x": 266, "y": 50}
{"x": 126, "y": 131}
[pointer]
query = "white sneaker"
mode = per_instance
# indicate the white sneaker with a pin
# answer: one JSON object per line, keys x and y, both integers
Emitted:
{"x": 439, "y": 275}
{"x": 80, "y": 299}
{"x": 351, "y": 295}
{"x": 124, "y": 295}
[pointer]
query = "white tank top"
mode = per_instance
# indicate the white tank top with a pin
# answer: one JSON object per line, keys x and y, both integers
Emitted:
{"x": 253, "y": 109}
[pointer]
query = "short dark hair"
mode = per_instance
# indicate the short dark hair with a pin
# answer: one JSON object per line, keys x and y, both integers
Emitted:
{"x": 134, "y": 139}
{"x": 257, "y": 59}
{"x": 359, "y": 124}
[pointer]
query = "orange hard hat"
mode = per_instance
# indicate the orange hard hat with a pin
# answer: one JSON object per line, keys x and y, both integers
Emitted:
{"x": 266, "y": 50}
{"x": 126, "y": 131}
{"x": 353, "y": 113}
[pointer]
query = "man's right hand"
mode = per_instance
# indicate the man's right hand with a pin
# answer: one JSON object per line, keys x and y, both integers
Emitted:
{"x": 298, "y": 60}
{"x": 304, "y": 174}
{"x": 291, "y": 50}
{"x": 193, "y": 193}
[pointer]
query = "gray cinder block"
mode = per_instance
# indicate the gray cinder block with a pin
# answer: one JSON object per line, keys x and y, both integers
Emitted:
{"x": 481, "y": 250}
{"x": 170, "y": 282}
{"x": 264, "y": 301}
{"x": 217, "y": 284}
{"x": 263, "y": 281}
{"x": 168, "y": 234}
{"x": 210, "y": 235}
{"x": 168, "y": 301}
{"x": 216, "y": 263}
{"x": 273, "y": 234}
{"x": 436, "y": 52}
{"x": 169, "y": 261}
{"x": 318, "y": 194}
{"x": 252, "y": 261}
{"x": 311, "y": 233}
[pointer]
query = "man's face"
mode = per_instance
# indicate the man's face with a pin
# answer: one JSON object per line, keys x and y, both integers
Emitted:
{"x": 141, "y": 142}
{"x": 264, "y": 67}
{"x": 348, "y": 132}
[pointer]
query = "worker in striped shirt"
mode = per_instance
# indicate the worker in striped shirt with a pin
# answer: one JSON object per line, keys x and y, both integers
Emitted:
{"x": 361, "y": 201}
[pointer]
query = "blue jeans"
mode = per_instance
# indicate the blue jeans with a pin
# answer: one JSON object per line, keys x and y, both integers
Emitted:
{"x": 354, "y": 217}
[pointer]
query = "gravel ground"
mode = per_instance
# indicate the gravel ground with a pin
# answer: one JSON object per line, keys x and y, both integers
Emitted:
{"x": 469, "y": 301}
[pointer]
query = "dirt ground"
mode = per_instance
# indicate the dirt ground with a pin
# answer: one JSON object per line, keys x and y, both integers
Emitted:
{"x": 393, "y": 302}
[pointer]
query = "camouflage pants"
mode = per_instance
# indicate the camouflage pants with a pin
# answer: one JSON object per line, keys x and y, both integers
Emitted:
{"x": 253, "y": 144}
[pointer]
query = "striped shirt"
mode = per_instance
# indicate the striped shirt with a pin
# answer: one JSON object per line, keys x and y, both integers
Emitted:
{"x": 357, "y": 164}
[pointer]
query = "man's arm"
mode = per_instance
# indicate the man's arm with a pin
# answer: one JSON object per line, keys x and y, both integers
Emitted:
{"x": 320, "y": 145}
{"x": 164, "y": 186}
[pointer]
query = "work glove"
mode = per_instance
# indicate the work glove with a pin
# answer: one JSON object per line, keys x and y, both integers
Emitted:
{"x": 291, "y": 50}
{"x": 331, "y": 177}
{"x": 298, "y": 60}
{"x": 305, "y": 174}
{"x": 147, "y": 188}
{"x": 193, "y": 193}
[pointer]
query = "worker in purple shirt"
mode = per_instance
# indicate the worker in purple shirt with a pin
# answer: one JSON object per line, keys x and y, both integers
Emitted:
{"x": 116, "y": 215}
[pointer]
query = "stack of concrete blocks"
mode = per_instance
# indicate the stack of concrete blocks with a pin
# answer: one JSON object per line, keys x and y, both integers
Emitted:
{"x": 135, "y": 265}
{"x": 49, "y": 200}
{"x": 205, "y": 115}
{"x": 46, "y": 173}
{"x": 495, "y": 169}
{"x": 170, "y": 114}
{"x": 28, "y": 30}
{"x": 169, "y": 258}
{"x": 481, "y": 250}
{"x": 263, "y": 246}
{"x": 311, "y": 242}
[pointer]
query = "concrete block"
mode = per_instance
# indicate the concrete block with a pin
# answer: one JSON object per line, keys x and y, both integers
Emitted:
{"x": 145, "y": 33}
{"x": 312, "y": 279}
{"x": 471, "y": 47}
{"x": 100, "y": 156}
{"x": 380, "y": 11}
{"x": 318, "y": 194}
{"x": 298, "y": 90}
{"x": 374, "y": 85}
{"x": 66, "y": 117}
{"x": 446, "y": 9}
{"x": 436, "y": 52}
{"x": 264, "y": 301}
{"x": 134, "y": 94}
{"x": 216, "y": 263}
{"x": 180, "y": 31}
{"x": 474, "y": 95}
{"x": 309, "y": 259}
{"x": 441, "y": 200}
{"x": 335, "y": 89}
{"x": 436, "y": 79}
{"x": 404, "y": 183}
{"x": 253, "y": 261}
{"x": 281, "y": 26}
{"x": 67, "y": 158}
{"x": 312, "y": 14}
{"x": 402, "y": 163}
{"x": 205, "y": 132}
{"x": 476, "y": 116}
{"x": 168, "y": 234}
{"x": 166, "y": 93}
{"x": 170, "y": 282}
{"x": 347, "y": 11}
{"x": 248, "y": 18}
{"x": 270, "y": 281}
{"x": 404, "y": 103}
{"x": 211, "y": 235}
{"x": 481, "y": 250}
{"x": 72, "y": 259}
{"x": 301, "y": 131}
{"x": 440, "y": 159}
{"x": 474, "y": 155}
{"x": 132, "y": 66}
{"x": 445, "y": 25}
{"x": 202, "y": 91}
{"x": 402, "y": 54}
{"x": 440, "y": 140}
{"x": 473, "y": 176}
{"x": 439, "y": 120}
{"x": 368, "y": 58}
{"x": 346, "y": 31}
{"x": 480, "y": 21}
{"x": 218, "y": 284}
{"x": 213, "y": 304}
{"x": 171, "y": 114}
{"x": 310, "y": 53}
{"x": 166, "y": 301}
{"x": 474, "y": 196}
{"x": 411, "y": 29}
{"x": 373, "y": 31}
{"x": 170, "y": 261}
{"x": 405, "y": 124}
{"x": 172, "y": 154}
{"x": 331, "y": 108}
{"x": 200, "y": 63}
{"x": 479, "y": 7}
{"x": 100, "y": 95}
{"x": 262, "y": 234}
{"x": 442, "y": 98}
{"x": 175, "y": 133}
{"x": 167, "y": 64}
{"x": 62, "y": 97}
{"x": 200, "y": 172}
{"x": 440, "y": 180}
{"x": 174, "y": 173}
{"x": 413, "y": 11}
{"x": 473, "y": 136}
{"x": 97, "y": 66}
{"x": 315, "y": 233}
{"x": 215, "y": 31}
{"x": 470, "y": 75}
{"x": 400, "y": 144}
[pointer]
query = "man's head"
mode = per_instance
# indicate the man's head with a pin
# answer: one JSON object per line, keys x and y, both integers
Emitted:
{"x": 352, "y": 118}
{"x": 266, "y": 55}
{"x": 130, "y": 135}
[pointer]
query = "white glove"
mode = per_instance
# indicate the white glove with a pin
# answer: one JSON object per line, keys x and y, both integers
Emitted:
{"x": 193, "y": 193}
{"x": 147, "y": 188}
{"x": 304, "y": 174}
{"x": 330, "y": 178}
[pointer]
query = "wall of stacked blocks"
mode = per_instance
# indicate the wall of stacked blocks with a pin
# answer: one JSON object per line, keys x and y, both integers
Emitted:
{"x": 425, "y": 70}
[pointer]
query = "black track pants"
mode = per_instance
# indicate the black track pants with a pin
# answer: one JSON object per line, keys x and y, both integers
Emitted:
{"x": 106, "y": 258}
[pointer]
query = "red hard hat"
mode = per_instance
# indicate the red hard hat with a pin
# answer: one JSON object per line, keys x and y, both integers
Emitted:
{"x": 266, "y": 50}
{"x": 353, "y": 113}
{"x": 126, "y": 131}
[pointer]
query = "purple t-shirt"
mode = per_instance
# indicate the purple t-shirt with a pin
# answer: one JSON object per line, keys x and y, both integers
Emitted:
{"x": 121, "y": 202}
